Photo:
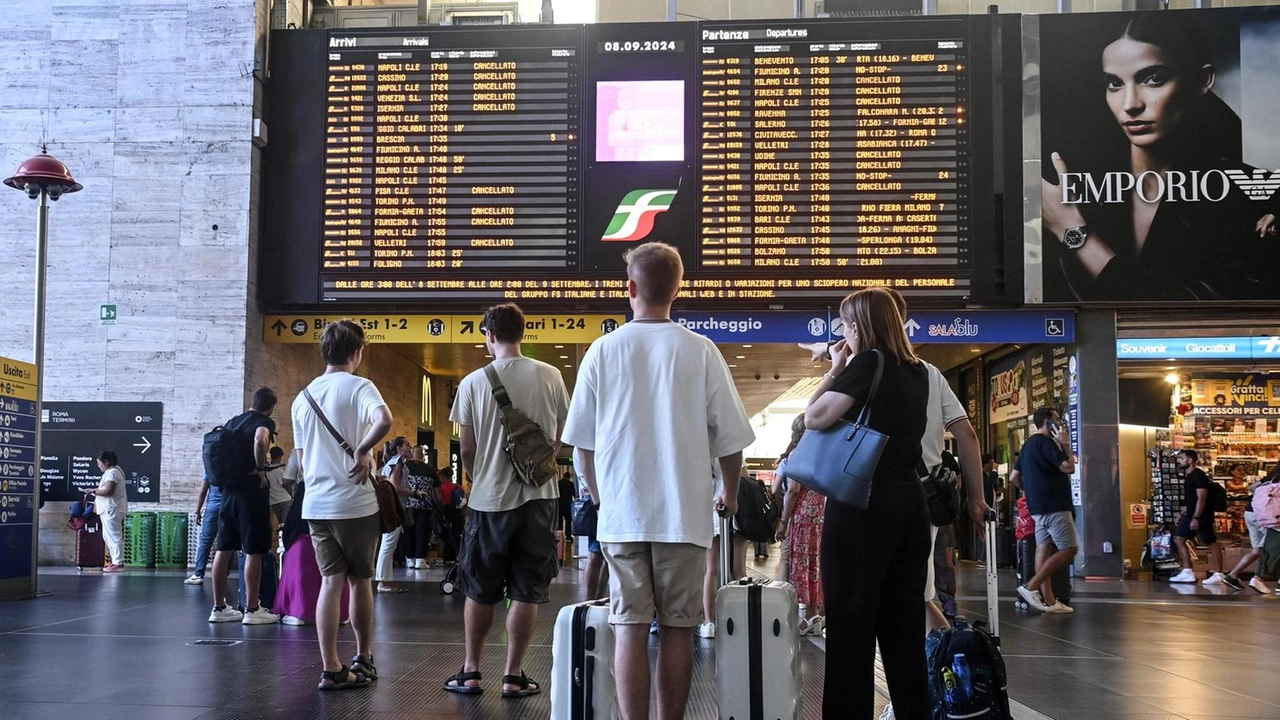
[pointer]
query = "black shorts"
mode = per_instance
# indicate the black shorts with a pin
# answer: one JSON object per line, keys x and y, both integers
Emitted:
{"x": 1205, "y": 533}
{"x": 244, "y": 521}
{"x": 510, "y": 554}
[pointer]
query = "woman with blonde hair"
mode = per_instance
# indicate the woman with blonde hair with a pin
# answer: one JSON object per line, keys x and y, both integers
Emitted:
{"x": 873, "y": 558}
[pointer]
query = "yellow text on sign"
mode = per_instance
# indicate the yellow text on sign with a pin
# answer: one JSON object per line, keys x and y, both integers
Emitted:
{"x": 565, "y": 328}
{"x": 18, "y": 379}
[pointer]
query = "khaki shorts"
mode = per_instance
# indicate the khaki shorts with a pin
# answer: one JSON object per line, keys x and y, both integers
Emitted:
{"x": 346, "y": 546}
{"x": 662, "y": 579}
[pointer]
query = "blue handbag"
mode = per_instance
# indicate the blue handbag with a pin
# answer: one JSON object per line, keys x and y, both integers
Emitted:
{"x": 840, "y": 461}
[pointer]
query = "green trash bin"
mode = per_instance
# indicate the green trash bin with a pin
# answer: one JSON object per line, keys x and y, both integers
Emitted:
{"x": 171, "y": 539}
{"x": 140, "y": 534}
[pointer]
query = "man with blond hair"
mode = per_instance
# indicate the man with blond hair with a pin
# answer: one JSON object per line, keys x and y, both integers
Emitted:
{"x": 654, "y": 403}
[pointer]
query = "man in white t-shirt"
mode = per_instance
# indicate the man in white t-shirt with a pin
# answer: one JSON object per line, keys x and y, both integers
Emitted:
{"x": 654, "y": 403}
{"x": 340, "y": 505}
{"x": 279, "y": 490}
{"x": 509, "y": 547}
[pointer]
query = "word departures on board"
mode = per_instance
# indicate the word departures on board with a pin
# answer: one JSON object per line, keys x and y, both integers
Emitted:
{"x": 787, "y": 162}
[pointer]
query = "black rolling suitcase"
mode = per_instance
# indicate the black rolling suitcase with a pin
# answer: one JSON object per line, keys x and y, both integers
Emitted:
{"x": 1026, "y": 569}
{"x": 975, "y": 686}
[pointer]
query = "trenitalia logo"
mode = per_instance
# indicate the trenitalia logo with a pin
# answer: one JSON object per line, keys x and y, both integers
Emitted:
{"x": 633, "y": 220}
{"x": 1171, "y": 186}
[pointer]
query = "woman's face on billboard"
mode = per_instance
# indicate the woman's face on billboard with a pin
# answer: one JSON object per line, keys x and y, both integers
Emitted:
{"x": 1146, "y": 94}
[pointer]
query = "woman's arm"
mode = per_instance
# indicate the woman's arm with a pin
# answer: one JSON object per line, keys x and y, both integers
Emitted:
{"x": 789, "y": 508}
{"x": 107, "y": 485}
{"x": 826, "y": 407}
{"x": 398, "y": 481}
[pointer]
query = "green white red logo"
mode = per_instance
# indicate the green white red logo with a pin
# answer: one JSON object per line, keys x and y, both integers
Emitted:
{"x": 633, "y": 220}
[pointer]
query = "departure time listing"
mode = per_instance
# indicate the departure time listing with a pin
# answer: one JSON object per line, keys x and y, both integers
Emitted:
{"x": 843, "y": 155}
{"x": 443, "y": 154}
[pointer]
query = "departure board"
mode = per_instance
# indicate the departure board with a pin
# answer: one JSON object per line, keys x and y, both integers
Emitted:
{"x": 449, "y": 151}
{"x": 836, "y": 148}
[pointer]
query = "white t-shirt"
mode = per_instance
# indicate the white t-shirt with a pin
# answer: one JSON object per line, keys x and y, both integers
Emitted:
{"x": 536, "y": 389}
{"x": 275, "y": 485}
{"x": 349, "y": 402}
{"x": 944, "y": 409}
{"x": 118, "y": 502}
{"x": 656, "y": 403}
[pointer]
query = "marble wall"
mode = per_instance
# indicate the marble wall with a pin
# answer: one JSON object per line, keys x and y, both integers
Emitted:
{"x": 150, "y": 103}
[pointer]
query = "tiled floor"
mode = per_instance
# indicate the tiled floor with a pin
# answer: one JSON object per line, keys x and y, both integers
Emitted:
{"x": 108, "y": 647}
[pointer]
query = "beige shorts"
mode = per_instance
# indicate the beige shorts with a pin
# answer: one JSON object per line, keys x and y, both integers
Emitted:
{"x": 655, "y": 579}
{"x": 346, "y": 546}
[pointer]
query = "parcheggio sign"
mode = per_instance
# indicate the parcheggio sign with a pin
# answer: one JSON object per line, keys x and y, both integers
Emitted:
{"x": 712, "y": 324}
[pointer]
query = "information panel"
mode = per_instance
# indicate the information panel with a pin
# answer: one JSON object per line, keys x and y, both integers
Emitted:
{"x": 75, "y": 432}
{"x": 835, "y": 146}
{"x": 448, "y": 151}
{"x": 17, "y": 467}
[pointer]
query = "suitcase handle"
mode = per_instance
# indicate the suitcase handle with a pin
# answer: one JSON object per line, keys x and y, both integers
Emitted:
{"x": 993, "y": 579}
{"x": 726, "y": 548}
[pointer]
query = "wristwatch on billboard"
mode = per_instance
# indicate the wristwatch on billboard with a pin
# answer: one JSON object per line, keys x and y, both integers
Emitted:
{"x": 1074, "y": 237}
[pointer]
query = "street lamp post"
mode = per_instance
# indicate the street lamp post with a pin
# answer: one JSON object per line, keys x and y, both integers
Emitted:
{"x": 43, "y": 178}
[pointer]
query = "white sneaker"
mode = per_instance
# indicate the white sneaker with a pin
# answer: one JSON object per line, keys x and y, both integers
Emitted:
{"x": 261, "y": 616}
{"x": 291, "y": 620}
{"x": 225, "y": 614}
{"x": 1058, "y": 608}
{"x": 1214, "y": 579}
{"x": 1186, "y": 576}
{"x": 1032, "y": 598}
{"x": 707, "y": 630}
{"x": 888, "y": 712}
{"x": 1257, "y": 584}
{"x": 194, "y": 580}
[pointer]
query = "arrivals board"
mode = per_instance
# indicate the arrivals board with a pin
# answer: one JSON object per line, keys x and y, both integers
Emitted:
{"x": 788, "y": 162}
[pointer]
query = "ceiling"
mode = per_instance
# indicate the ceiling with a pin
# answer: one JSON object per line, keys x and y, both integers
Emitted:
{"x": 761, "y": 372}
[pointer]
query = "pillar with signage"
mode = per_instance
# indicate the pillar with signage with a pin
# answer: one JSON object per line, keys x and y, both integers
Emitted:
{"x": 18, "y": 484}
{"x": 1099, "y": 510}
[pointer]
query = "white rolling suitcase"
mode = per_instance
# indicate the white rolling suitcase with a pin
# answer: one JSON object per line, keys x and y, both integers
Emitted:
{"x": 757, "y": 645}
{"x": 582, "y": 682}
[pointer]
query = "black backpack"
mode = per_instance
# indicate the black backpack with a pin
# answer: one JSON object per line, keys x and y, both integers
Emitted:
{"x": 757, "y": 518}
{"x": 228, "y": 454}
{"x": 988, "y": 696}
{"x": 1217, "y": 497}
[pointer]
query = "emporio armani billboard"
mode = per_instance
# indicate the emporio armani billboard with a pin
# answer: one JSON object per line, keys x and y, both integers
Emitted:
{"x": 1161, "y": 156}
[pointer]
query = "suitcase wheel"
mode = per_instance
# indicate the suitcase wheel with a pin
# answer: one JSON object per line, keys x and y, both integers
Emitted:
{"x": 446, "y": 587}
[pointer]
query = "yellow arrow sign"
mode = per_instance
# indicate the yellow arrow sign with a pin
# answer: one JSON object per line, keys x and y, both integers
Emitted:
{"x": 566, "y": 328}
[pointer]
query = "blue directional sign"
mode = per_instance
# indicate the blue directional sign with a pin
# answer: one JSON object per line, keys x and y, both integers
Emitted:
{"x": 1265, "y": 347}
{"x": 961, "y": 326}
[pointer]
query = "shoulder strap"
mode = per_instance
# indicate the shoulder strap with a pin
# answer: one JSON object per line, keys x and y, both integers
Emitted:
{"x": 864, "y": 417}
{"x": 315, "y": 406}
{"x": 495, "y": 384}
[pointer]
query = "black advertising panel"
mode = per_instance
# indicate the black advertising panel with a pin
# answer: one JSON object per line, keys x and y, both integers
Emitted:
{"x": 447, "y": 153}
{"x": 790, "y": 162}
{"x": 639, "y": 142}
{"x": 1157, "y": 136}
{"x": 75, "y": 432}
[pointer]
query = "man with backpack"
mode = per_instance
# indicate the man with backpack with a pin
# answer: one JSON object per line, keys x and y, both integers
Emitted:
{"x": 511, "y": 413}
{"x": 235, "y": 456}
{"x": 1196, "y": 520}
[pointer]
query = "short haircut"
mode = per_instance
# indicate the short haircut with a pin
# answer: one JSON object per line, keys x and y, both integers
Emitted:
{"x": 657, "y": 270}
{"x": 506, "y": 322}
{"x": 108, "y": 458}
{"x": 1043, "y": 415}
{"x": 276, "y": 452}
{"x": 446, "y": 472}
{"x": 987, "y": 457}
{"x": 1195, "y": 456}
{"x": 264, "y": 400}
{"x": 340, "y": 341}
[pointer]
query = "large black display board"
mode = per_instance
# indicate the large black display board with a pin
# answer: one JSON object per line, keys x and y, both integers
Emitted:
{"x": 789, "y": 162}
{"x": 75, "y": 432}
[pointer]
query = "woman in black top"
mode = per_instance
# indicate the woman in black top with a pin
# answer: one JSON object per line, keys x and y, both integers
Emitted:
{"x": 873, "y": 560}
